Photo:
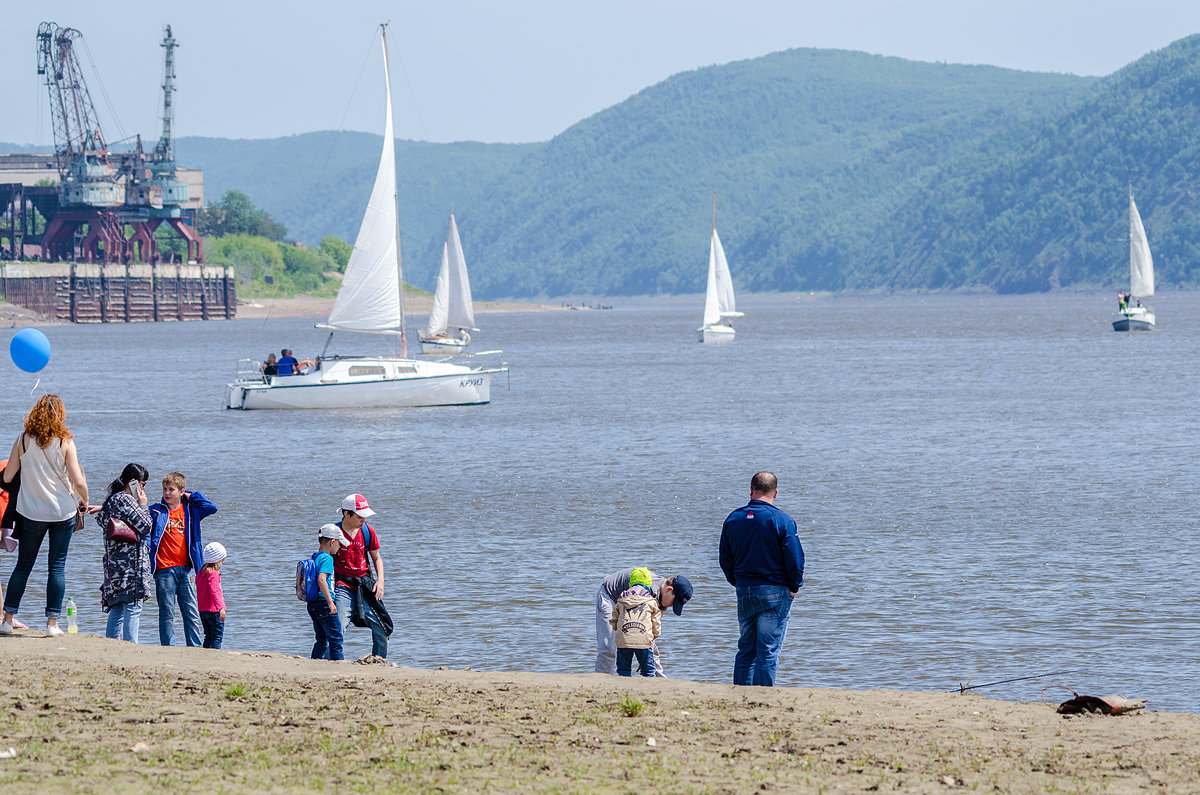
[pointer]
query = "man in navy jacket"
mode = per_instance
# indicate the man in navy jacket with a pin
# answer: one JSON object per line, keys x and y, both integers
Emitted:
{"x": 762, "y": 558}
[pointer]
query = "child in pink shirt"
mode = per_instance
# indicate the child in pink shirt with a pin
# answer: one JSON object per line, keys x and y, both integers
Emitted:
{"x": 209, "y": 598}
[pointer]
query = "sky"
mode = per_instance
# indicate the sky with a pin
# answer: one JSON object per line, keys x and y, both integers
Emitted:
{"x": 508, "y": 70}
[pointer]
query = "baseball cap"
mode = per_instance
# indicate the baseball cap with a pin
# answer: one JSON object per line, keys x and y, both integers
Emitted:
{"x": 358, "y": 504}
{"x": 683, "y": 592}
{"x": 330, "y": 530}
{"x": 214, "y": 552}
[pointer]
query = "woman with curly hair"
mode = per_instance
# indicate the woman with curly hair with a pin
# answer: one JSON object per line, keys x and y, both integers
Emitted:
{"x": 53, "y": 487}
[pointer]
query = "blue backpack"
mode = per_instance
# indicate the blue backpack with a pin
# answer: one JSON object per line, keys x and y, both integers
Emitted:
{"x": 307, "y": 589}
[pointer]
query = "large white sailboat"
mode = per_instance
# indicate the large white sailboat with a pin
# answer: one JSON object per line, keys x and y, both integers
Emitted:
{"x": 452, "y": 307}
{"x": 1131, "y": 315}
{"x": 719, "y": 308}
{"x": 369, "y": 302}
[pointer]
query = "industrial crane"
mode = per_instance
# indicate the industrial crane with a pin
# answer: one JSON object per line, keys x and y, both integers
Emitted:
{"x": 102, "y": 191}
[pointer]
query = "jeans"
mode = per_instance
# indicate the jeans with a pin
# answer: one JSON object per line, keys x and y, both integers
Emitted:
{"x": 762, "y": 618}
{"x": 123, "y": 621}
{"x": 606, "y": 639}
{"x": 645, "y": 659}
{"x": 32, "y": 534}
{"x": 170, "y": 585}
{"x": 346, "y": 600}
{"x": 328, "y": 630}
{"x": 214, "y": 628}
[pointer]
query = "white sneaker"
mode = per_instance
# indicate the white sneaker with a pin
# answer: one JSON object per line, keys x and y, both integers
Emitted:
{"x": 6, "y": 628}
{"x": 54, "y": 631}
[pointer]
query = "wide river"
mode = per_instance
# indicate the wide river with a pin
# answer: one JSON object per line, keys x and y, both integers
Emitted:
{"x": 986, "y": 487}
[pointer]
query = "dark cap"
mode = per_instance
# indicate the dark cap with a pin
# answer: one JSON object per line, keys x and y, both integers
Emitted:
{"x": 683, "y": 592}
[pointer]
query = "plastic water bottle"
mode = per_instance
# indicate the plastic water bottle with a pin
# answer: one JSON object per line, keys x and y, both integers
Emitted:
{"x": 72, "y": 619}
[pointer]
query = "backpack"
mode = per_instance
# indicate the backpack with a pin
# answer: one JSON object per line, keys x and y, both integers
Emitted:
{"x": 307, "y": 589}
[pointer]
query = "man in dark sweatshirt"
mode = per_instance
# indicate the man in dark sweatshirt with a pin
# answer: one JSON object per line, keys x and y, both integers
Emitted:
{"x": 762, "y": 558}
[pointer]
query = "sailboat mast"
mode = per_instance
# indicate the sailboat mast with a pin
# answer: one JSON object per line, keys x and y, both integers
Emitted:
{"x": 714, "y": 211}
{"x": 387, "y": 77}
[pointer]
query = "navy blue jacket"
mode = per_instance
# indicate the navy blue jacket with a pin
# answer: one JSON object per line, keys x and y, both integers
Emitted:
{"x": 196, "y": 507}
{"x": 759, "y": 546}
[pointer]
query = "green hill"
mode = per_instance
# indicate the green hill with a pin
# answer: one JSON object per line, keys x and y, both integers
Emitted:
{"x": 833, "y": 170}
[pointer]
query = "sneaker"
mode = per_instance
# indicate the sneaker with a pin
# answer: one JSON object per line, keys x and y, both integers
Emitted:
{"x": 54, "y": 631}
{"x": 6, "y": 628}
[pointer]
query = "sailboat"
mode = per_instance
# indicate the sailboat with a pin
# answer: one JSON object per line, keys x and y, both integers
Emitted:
{"x": 1131, "y": 315}
{"x": 452, "y": 307}
{"x": 719, "y": 309}
{"x": 369, "y": 301}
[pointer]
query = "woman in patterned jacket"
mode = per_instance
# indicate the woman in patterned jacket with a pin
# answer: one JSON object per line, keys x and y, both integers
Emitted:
{"x": 128, "y": 576}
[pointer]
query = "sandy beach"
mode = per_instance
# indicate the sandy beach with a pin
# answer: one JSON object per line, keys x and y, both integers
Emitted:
{"x": 415, "y": 303}
{"x": 86, "y": 714}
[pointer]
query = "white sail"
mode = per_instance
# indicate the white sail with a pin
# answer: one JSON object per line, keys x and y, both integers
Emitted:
{"x": 712, "y": 304}
{"x": 461, "y": 310}
{"x": 439, "y": 312}
{"x": 369, "y": 298}
{"x": 1141, "y": 264}
{"x": 725, "y": 304}
{"x": 452, "y": 306}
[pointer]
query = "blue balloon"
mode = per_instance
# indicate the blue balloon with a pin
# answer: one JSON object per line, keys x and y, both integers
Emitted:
{"x": 29, "y": 349}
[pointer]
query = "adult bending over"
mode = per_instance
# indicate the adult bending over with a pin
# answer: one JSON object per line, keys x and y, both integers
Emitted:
{"x": 673, "y": 592}
{"x": 53, "y": 488}
{"x": 763, "y": 560}
{"x": 128, "y": 576}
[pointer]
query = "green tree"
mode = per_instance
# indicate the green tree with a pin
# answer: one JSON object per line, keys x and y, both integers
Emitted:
{"x": 237, "y": 215}
{"x": 337, "y": 250}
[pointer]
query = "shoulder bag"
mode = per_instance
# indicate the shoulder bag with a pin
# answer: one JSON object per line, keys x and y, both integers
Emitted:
{"x": 118, "y": 530}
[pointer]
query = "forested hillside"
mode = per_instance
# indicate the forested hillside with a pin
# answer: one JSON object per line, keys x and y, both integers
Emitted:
{"x": 833, "y": 170}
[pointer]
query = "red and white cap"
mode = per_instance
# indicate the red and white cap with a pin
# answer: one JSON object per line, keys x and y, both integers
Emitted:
{"x": 358, "y": 504}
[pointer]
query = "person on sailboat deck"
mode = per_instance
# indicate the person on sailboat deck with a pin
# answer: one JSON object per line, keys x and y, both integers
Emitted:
{"x": 269, "y": 366}
{"x": 287, "y": 363}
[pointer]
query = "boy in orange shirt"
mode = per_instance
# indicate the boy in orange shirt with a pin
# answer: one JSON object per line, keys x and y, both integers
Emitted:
{"x": 177, "y": 549}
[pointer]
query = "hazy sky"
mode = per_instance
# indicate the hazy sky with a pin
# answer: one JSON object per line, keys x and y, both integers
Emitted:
{"x": 510, "y": 70}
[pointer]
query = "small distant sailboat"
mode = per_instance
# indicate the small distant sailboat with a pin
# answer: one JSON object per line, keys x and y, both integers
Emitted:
{"x": 452, "y": 307}
{"x": 1131, "y": 315}
{"x": 719, "y": 309}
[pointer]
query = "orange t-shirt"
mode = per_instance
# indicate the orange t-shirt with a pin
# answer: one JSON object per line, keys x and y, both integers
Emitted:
{"x": 172, "y": 547}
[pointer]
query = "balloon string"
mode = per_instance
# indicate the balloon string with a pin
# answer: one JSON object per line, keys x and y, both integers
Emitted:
{"x": 35, "y": 385}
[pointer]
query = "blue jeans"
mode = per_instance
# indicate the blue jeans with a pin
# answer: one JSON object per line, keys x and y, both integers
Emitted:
{"x": 762, "y": 618}
{"x": 170, "y": 585}
{"x": 328, "y": 630}
{"x": 346, "y": 600}
{"x": 123, "y": 621}
{"x": 32, "y": 535}
{"x": 214, "y": 628}
{"x": 645, "y": 658}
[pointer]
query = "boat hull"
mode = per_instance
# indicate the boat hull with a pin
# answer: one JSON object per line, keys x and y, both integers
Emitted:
{"x": 407, "y": 384}
{"x": 715, "y": 335}
{"x": 1134, "y": 319}
{"x": 445, "y": 347}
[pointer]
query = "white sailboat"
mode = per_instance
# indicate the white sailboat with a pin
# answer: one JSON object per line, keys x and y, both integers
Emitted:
{"x": 369, "y": 302}
{"x": 1131, "y": 315}
{"x": 719, "y": 309}
{"x": 452, "y": 307}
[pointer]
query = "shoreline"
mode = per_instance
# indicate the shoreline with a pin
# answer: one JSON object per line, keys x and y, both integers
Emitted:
{"x": 89, "y": 714}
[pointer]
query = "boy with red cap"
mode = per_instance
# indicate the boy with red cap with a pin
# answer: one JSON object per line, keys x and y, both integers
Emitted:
{"x": 358, "y": 593}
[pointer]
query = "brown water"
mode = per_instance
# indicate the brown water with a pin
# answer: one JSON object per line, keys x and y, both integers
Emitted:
{"x": 986, "y": 487}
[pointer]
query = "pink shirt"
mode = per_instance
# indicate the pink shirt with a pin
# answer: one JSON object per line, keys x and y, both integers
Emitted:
{"x": 208, "y": 591}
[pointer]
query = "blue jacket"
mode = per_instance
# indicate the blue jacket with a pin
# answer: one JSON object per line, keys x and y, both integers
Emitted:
{"x": 759, "y": 546}
{"x": 196, "y": 507}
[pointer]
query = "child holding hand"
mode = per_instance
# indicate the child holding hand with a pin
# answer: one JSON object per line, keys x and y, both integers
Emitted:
{"x": 209, "y": 598}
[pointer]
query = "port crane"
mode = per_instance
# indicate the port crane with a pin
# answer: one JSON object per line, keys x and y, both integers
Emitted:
{"x": 119, "y": 197}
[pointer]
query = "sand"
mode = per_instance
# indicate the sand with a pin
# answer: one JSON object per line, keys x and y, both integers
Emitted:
{"x": 85, "y": 714}
{"x": 415, "y": 303}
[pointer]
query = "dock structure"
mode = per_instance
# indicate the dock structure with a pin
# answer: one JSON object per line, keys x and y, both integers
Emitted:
{"x": 88, "y": 292}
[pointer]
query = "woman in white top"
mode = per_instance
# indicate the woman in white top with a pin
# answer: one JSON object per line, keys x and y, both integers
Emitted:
{"x": 52, "y": 489}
